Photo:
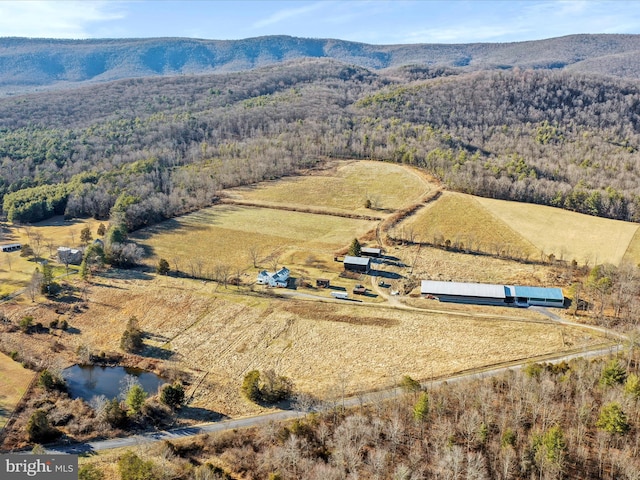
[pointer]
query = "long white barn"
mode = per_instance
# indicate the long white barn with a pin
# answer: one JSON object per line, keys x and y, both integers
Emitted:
{"x": 489, "y": 294}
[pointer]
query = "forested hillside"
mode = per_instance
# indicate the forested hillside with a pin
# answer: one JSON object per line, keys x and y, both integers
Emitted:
{"x": 45, "y": 63}
{"x": 156, "y": 148}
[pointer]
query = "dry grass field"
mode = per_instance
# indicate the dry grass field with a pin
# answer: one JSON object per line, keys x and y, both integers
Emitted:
{"x": 462, "y": 219}
{"x": 323, "y": 347}
{"x": 225, "y": 234}
{"x": 568, "y": 235}
{"x": 437, "y": 264}
{"x": 14, "y": 379}
{"x": 345, "y": 187}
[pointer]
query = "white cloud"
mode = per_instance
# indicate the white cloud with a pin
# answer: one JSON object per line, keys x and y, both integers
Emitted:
{"x": 290, "y": 13}
{"x": 60, "y": 19}
{"x": 459, "y": 34}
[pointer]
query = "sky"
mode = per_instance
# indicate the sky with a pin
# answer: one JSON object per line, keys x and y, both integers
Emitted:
{"x": 368, "y": 21}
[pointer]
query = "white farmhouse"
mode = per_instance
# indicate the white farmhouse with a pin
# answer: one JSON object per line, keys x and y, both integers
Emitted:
{"x": 277, "y": 279}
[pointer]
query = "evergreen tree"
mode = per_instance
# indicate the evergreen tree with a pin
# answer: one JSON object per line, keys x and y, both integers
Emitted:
{"x": 163, "y": 267}
{"x": 135, "y": 399}
{"x": 421, "y": 408}
{"x": 355, "y": 249}
{"x": 85, "y": 235}
{"x": 172, "y": 395}
{"x": 613, "y": 373}
{"x": 612, "y": 419}
{"x": 131, "y": 340}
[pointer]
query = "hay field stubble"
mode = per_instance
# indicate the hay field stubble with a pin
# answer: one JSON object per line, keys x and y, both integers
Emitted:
{"x": 460, "y": 217}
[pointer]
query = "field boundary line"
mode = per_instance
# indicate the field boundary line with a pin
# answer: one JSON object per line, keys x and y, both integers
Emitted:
{"x": 624, "y": 255}
{"x": 18, "y": 408}
{"x": 506, "y": 224}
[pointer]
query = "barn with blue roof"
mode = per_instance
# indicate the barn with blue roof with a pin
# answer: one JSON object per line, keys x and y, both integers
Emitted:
{"x": 541, "y": 296}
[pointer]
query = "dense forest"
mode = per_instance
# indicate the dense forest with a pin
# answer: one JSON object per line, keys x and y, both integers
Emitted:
{"x": 161, "y": 147}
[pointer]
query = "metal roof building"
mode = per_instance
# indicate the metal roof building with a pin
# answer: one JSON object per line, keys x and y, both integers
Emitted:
{"x": 477, "y": 293}
{"x": 370, "y": 252}
{"x": 489, "y": 294}
{"x": 11, "y": 247}
{"x": 547, "y": 297}
{"x": 357, "y": 264}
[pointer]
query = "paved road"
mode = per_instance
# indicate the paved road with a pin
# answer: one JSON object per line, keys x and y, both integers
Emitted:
{"x": 363, "y": 399}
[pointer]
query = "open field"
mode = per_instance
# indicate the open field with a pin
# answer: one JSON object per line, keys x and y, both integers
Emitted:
{"x": 343, "y": 188}
{"x": 226, "y": 234}
{"x": 324, "y": 348}
{"x": 568, "y": 235}
{"x": 463, "y": 220}
{"x": 14, "y": 379}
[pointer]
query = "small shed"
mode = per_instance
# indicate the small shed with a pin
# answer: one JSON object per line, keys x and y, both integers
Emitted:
{"x": 10, "y": 247}
{"x": 357, "y": 264}
{"x": 371, "y": 252}
{"x": 323, "y": 283}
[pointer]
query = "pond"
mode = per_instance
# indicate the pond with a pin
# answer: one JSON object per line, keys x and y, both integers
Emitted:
{"x": 89, "y": 381}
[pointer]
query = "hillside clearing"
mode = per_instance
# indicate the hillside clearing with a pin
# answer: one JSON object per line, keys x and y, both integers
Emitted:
{"x": 45, "y": 237}
{"x": 462, "y": 220}
{"x": 345, "y": 188}
{"x": 567, "y": 235}
{"x": 226, "y": 234}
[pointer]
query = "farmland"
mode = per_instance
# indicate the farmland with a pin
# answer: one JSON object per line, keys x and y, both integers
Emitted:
{"x": 463, "y": 219}
{"x": 227, "y": 234}
{"x": 568, "y": 235}
{"x": 214, "y": 332}
{"x": 45, "y": 237}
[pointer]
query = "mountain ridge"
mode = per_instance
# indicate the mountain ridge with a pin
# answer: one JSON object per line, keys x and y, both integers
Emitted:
{"x": 35, "y": 64}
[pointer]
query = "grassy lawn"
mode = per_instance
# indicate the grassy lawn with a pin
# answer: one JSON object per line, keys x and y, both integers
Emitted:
{"x": 461, "y": 218}
{"x": 14, "y": 379}
{"x": 344, "y": 188}
{"x": 568, "y": 235}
